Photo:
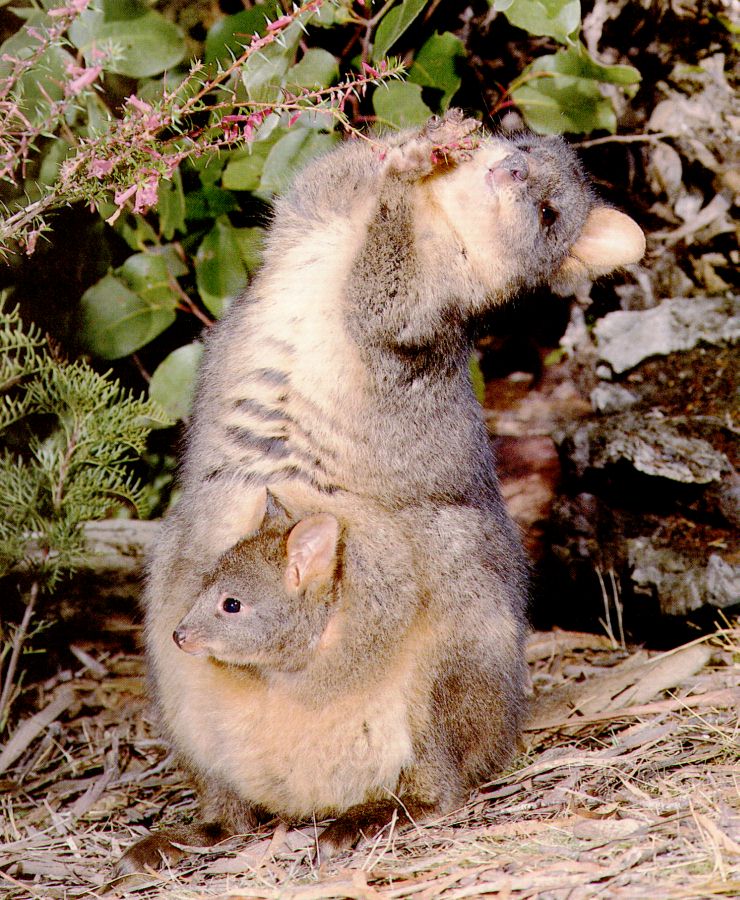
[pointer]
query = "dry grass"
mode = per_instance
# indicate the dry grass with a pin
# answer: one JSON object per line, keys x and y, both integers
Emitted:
{"x": 629, "y": 787}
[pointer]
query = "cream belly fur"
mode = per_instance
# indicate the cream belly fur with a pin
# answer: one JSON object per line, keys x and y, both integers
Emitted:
{"x": 293, "y": 757}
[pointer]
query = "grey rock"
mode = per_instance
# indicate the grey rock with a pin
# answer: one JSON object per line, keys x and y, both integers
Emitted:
{"x": 679, "y": 584}
{"x": 625, "y": 339}
{"x": 609, "y": 398}
{"x": 652, "y": 446}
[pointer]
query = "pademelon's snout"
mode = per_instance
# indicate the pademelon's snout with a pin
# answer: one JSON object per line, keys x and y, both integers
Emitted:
{"x": 188, "y": 642}
{"x": 511, "y": 168}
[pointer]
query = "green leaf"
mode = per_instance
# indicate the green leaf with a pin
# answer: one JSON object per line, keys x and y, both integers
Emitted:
{"x": 571, "y": 99}
{"x": 318, "y": 68}
{"x": 148, "y": 275}
{"x": 176, "y": 266}
{"x": 289, "y": 154}
{"x": 219, "y": 270}
{"x": 43, "y": 84}
{"x": 394, "y": 23}
{"x": 120, "y": 10}
{"x": 263, "y": 72}
{"x": 250, "y": 242}
{"x": 244, "y": 169}
{"x": 577, "y": 62}
{"x": 145, "y": 45}
{"x": 209, "y": 203}
{"x": 134, "y": 229}
{"x": 117, "y": 321}
{"x": 563, "y": 104}
{"x": 555, "y": 18}
{"x": 173, "y": 382}
{"x": 171, "y": 206}
{"x": 230, "y": 34}
{"x": 399, "y": 103}
{"x": 436, "y": 65}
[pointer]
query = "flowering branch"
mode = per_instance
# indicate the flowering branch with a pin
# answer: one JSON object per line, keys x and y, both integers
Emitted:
{"x": 129, "y": 157}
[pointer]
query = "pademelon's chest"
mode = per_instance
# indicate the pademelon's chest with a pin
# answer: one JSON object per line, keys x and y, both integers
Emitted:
{"x": 296, "y": 759}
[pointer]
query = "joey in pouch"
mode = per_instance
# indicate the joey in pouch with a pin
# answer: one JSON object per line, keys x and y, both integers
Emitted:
{"x": 338, "y": 385}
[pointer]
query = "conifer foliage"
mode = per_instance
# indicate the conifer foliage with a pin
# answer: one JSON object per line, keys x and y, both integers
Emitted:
{"x": 80, "y": 432}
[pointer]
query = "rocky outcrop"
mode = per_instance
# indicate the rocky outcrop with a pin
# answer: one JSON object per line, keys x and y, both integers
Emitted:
{"x": 651, "y": 489}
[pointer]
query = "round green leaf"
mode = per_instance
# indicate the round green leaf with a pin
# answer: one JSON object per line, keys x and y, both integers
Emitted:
{"x": 563, "y": 104}
{"x": 555, "y": 18}
{"x": 436, "y": 65}
{"x": 289, "y": 154}
{"x": 318, "y": 68}
{"x": 171, "y": 206}
{"x": 244, "y": 168}
{"x": 117, "y": 321}
{"x": 219, "y": 270}
{"x": 394, "y": 23}
{"x": 250, "y": 242}
{"x": 230, "y": 34}
{"x": 399, "y": 103}
{"x": 576, "y": 62}
{"x": 173, "y": 382}
{"x": 148, "y": 275}
{"x": 263, "y": 72}
{"x": 145, "y": 45}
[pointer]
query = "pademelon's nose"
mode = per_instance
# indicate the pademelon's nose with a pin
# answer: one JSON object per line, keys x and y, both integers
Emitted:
{"x": 186, "y": 642}
{"x": 511, "y": 168}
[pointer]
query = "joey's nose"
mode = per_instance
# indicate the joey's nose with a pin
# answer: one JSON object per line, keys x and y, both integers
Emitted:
{"x": 188, "y": 643}
{"x": 179, "y": 636}
{"x": 513, "y": 167}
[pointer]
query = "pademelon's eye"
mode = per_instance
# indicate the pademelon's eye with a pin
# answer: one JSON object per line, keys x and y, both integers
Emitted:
{"x": 548, "y": 215}
{"x": 231, "y": 605}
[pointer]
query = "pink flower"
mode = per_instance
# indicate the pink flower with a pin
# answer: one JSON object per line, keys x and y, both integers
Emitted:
{"x": 139, "y": 105}
{"x": 73, "y": 9}
{"x": 99, "y": 168}
{"x": 146, "y": 194}
{"x": 368, "y": 70}
{"x": 83, "y": 80}
{"x": 120, "y": 197}
{"x": 31, "y": 239}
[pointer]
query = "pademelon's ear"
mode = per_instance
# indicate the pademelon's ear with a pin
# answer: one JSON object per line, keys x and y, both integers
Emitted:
{"x": 312, "y": 550}
{"x": 609, "y": 240}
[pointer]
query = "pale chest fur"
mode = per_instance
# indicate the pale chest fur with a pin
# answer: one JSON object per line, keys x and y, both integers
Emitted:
{"x": 297, "y": 758}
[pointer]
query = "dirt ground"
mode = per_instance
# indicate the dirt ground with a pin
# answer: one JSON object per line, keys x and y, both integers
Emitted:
{"x": 628, "y": 786}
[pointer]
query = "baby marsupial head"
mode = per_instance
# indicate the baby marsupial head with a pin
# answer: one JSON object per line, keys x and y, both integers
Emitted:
{"x": 268, "y": 600}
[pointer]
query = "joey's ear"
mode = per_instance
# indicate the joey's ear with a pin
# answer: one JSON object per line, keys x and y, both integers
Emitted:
{"x": 609, "y": 240}
{"x": 312, "y": 550}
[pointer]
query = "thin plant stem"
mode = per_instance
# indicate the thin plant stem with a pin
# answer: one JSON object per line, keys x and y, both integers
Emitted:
{"x": 19, "y": 638}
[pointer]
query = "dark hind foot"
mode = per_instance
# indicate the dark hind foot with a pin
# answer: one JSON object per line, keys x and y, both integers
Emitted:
{"x": 368, "y": 819}
{"x": 159, "y": 850}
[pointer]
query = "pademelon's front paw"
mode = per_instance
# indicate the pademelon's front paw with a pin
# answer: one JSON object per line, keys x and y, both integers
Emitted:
{"x": 451, "y": 133}
{"x": 443, "y": 140}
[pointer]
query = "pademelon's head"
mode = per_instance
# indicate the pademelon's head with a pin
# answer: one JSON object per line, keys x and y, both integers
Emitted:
{"x": 524, "y": 214}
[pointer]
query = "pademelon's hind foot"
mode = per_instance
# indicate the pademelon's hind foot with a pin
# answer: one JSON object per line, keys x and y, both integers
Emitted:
{"x": 159, "y": 849}
{"x": 366, "y": 820}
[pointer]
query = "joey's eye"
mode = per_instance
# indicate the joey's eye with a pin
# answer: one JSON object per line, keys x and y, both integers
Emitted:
{"x": 231, "y": 605}
{"x": 548, "y": 215}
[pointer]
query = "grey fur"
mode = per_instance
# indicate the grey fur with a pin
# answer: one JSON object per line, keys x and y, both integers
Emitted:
{"x": 340, "y": 382}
